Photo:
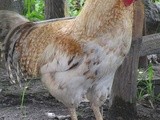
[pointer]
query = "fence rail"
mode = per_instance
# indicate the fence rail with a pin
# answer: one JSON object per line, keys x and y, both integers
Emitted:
{"x": 150, "y": 45}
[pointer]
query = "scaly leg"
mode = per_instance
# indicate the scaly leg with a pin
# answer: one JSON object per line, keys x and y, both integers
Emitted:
{"x": 97, "y": 112}
{"x": 73, "y": 113}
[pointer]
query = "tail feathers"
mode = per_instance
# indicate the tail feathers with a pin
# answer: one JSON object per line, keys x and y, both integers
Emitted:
{"x": 12, "y": 28}
{"x": 9, "y": 20}
{"x": 12, "y": 56}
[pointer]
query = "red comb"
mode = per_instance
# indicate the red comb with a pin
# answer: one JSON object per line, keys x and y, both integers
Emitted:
{"x": 128, "y": 2}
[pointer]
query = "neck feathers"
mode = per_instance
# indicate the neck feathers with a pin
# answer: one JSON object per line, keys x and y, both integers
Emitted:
{"x": 100, "y": 15}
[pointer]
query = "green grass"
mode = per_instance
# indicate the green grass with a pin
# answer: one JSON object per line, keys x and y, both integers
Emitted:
{"x": 34, "y": 9}
{"x": 145, "y": 86}
{"x": 22, "y": 107}
{"x": 75, "y": 6}
{"x": 156, "y": 1}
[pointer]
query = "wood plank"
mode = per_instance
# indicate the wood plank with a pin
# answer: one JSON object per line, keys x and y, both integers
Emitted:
{"x": 150, "y": 45}
{"x": 124, "y": 86}
{"x": 54, "y": 8}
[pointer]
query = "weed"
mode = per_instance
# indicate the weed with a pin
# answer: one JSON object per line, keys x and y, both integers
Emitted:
{"x": 75, "y": 6}
{"x": 22, "y": 107}
{"x": 145, "y": 86}
{"x": 34, "y": 9}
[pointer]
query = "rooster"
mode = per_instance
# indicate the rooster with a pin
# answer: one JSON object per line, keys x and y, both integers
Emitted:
{"x": 75, "y": 58}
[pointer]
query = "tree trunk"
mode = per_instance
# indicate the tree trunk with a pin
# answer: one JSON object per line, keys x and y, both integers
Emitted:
{"x": 13, "y": 5}
{"x": 54, "y": 8}
{"x": 124, "y": 87}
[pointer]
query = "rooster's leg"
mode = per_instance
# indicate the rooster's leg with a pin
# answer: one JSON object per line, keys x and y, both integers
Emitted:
{"x": 73, "y": 113}
{"x": 97, "y": 112}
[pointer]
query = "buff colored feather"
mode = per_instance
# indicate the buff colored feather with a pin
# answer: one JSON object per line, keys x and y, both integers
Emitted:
{"x": 75, "y": 58}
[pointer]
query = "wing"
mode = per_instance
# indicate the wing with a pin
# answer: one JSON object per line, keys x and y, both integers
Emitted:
{"x": 48, "y": 48}
{"x": 61, "y": 57}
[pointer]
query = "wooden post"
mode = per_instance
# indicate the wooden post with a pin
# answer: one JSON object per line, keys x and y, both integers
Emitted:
{"x": 55, "y": 8}
{"x": 124, "y": 87}
{"x": 143, "y": 60}
{"x": 13, "y": 5}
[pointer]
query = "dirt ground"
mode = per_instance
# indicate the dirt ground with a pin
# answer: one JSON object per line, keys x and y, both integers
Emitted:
{"x": 40, "y": 105}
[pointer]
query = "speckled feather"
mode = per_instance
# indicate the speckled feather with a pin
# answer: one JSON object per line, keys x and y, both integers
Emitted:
{"x": 79, "y": 57}
{"x": 39, "y": 39}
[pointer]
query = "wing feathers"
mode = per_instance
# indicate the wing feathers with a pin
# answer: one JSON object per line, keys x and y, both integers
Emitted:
{"x": 53, "y": 50}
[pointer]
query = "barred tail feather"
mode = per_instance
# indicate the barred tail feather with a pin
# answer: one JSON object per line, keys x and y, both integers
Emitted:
{"x": 12, "y": 28}
{"x": 9, "y": 20}
{"x": 11, "y": 55}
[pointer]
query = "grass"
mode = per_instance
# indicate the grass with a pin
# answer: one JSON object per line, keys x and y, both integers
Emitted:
{"x": 34, "y": 9}
{"x": 145, "y": 86}
{"x": 22, "y": 107}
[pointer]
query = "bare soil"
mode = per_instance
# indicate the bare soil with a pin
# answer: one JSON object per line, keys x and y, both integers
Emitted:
{"x": 38, "y": 103}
